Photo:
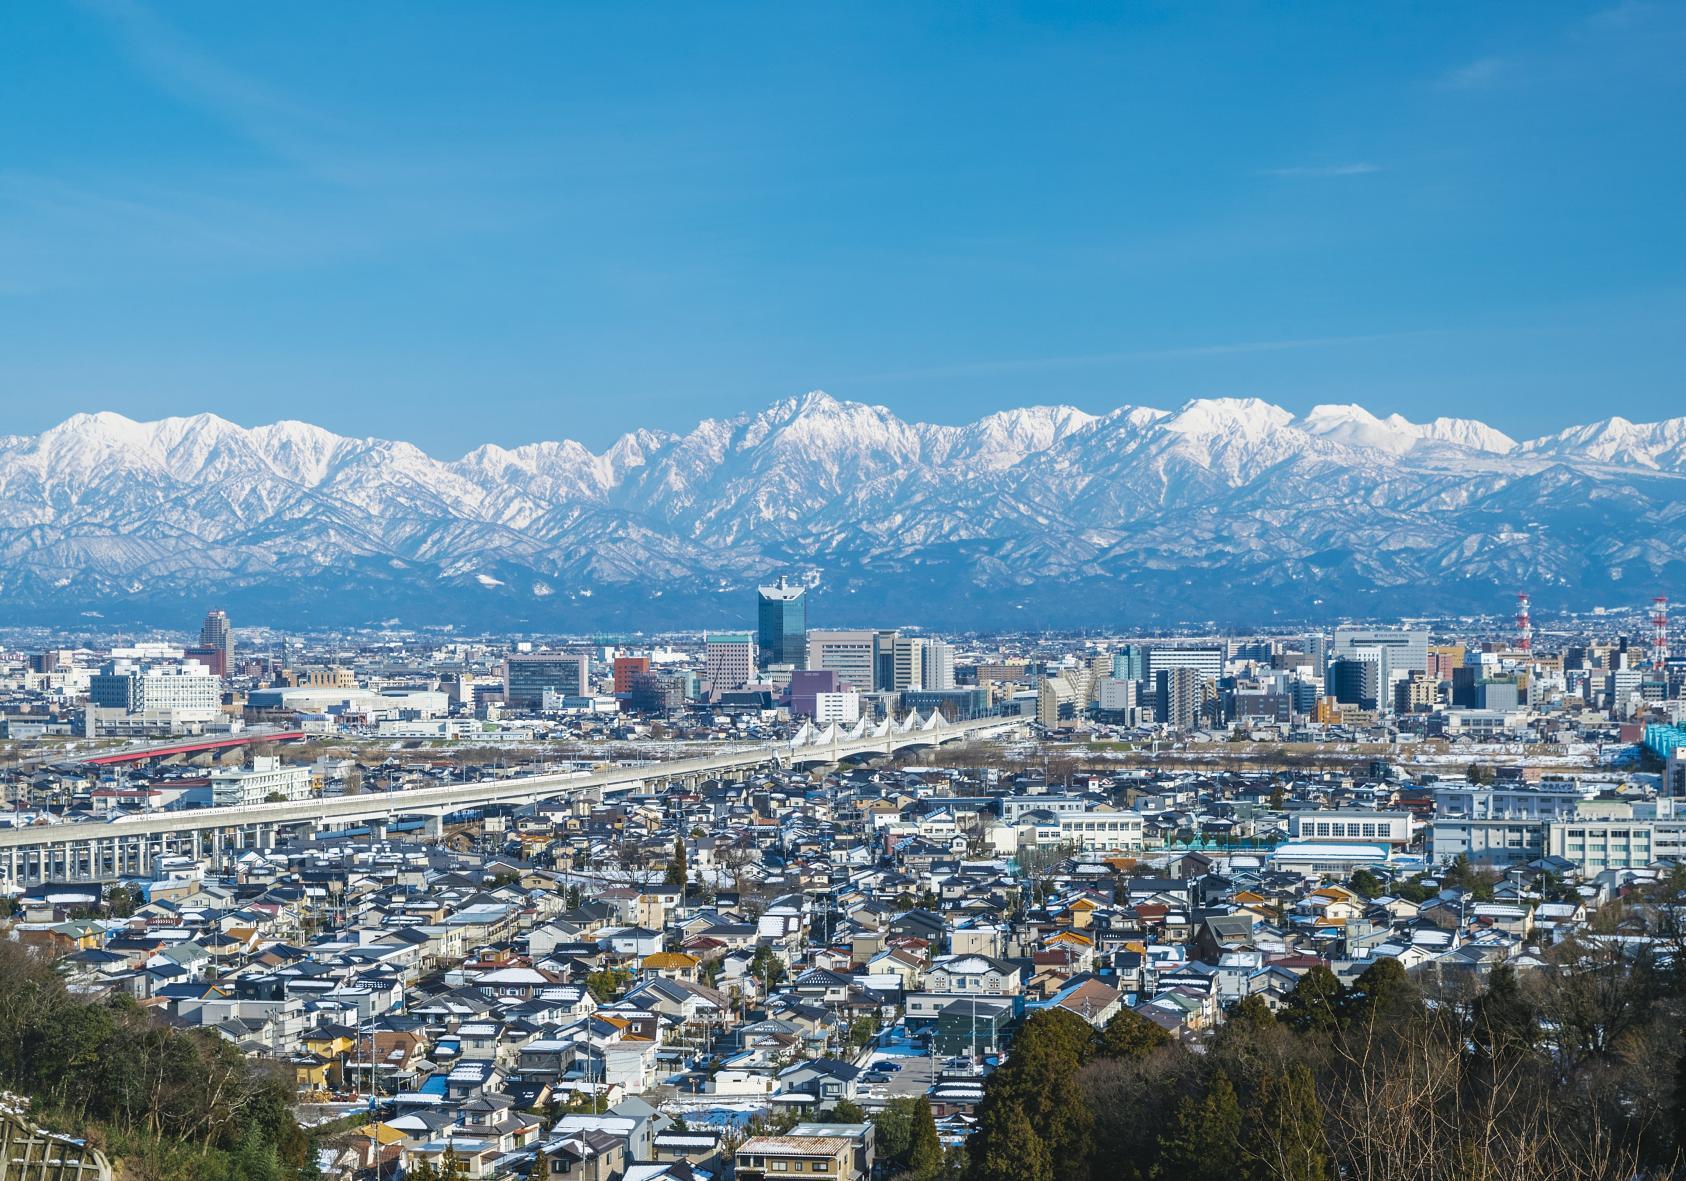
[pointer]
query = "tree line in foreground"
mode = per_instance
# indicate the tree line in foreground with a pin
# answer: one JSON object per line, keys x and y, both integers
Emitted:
{"x": 1573, "y": 1070}
{"x": 176, "y": 1105}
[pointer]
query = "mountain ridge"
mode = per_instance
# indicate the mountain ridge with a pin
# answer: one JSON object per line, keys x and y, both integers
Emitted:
{"x": 1222, "y": 509}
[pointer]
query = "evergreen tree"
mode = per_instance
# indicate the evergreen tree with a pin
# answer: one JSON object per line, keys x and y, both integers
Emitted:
{"x": 766, "y": 967}
{"x": 255, "y": 1159}
{"x": 1286, "y": 1141}
{"x": 1252, "y": 1011}
{"x": 1014, "y": 1153}
{"x": 1059, "y": 1031}
{"x": 1313, "y": 1003}
{"x": 676, "y": 870}
{"x": 1503, "y": 1019}
{"x": 1383, "y": 995}
{"x": 1037, "y": 1088}
{"x": 893, "y": 1128}
{"x": 1462, "y": 875}
{"x": 1203, "y": 1142}
{"x": 1129, "y": 1036}
{"x": 847, "y": 1111}
{"x": 925, "y": 1155}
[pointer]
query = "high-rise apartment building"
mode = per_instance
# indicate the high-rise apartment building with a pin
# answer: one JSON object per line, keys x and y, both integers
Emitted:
{"x": 1056, "y": 702}
{"x": 728, "y": 659}
{"x": 918, "y": 665}
{"x": 908, "y": 664}
{"x": 527, "y": 676}
{"x": 1356, "y": 680}
{"x": 627, "y": 670}
{"x": 1128, "y": 663}
{"x": 216, "y": 643}
{"x": 782, "y": 624}
{"x": 939, "y": 666}
{"x": 1179, "y": 694}
{"x": 1317, "y": 647}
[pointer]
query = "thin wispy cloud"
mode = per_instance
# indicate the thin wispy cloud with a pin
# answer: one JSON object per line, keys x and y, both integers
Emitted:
{"x": 1624, "y": 15}
{"x": 255, "y": 110}
{"x": 1083, "y": 360}
{"x": 1482, "y": 72}
{"x": 352, "y": 189}
{"x": 1356, "y": 168}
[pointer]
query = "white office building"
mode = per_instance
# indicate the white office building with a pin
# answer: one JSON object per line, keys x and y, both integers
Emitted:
{"x": 1595, "y": 844}
{"x": 908, "y": 664}
{"x": 1407, "y": 647}
{"x": 264, "y": 781}
{"x": 1499, "y": 825}
{"x": 852, "y": 655}
{"x": 728, "y": 659}
{"x": 842, "y": 708}
{"x": 1206, "y": 659}
{"x": 939, "y": 665}
{"x": 169, "y": 694}
{"x": 1350, "y": 824}
{"x": 1116, "y": 696}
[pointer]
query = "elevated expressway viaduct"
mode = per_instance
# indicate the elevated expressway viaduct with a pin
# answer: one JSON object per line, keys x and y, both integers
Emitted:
{"x": 129, "y": 846}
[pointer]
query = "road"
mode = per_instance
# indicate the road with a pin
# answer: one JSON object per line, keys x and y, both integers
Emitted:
{"x": 93, "y": 842}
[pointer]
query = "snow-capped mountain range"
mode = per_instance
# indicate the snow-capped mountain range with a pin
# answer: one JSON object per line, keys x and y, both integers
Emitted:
{"x": 1225, "y": 509}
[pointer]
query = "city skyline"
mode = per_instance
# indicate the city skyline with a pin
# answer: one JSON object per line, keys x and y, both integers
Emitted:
{"x": 657, "y": 592}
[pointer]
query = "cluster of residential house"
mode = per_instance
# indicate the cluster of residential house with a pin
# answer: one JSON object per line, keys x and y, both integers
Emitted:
{"x": 543, "y": 999}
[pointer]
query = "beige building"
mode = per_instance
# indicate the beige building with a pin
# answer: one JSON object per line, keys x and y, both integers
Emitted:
{"x": 1056, "y": 702}
{"x": 763, "y": 1157}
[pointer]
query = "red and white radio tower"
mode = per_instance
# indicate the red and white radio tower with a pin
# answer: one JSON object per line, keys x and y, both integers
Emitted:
{"x": 1524, "y": 625}
{"x": 1659, "y": 631}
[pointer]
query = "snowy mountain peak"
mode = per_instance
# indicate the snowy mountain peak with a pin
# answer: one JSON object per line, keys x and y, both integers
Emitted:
{"x": 1250, "y": 417}
{"x": 103, "y": 426}
{"x": 1467, "y": 432}
{"x": 1616, "y": 440}
{"x": 1354, "y": 426}
{"x": 1046, "y": 507}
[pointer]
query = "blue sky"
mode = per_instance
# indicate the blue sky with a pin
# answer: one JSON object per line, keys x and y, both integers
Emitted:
{"x": 456, "y": 223}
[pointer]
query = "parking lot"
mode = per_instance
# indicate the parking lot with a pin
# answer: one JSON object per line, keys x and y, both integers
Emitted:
{"x": 913, "y": 1072}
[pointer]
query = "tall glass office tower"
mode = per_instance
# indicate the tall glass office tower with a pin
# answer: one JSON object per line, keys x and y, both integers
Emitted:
{"x": 782, "y": 625}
